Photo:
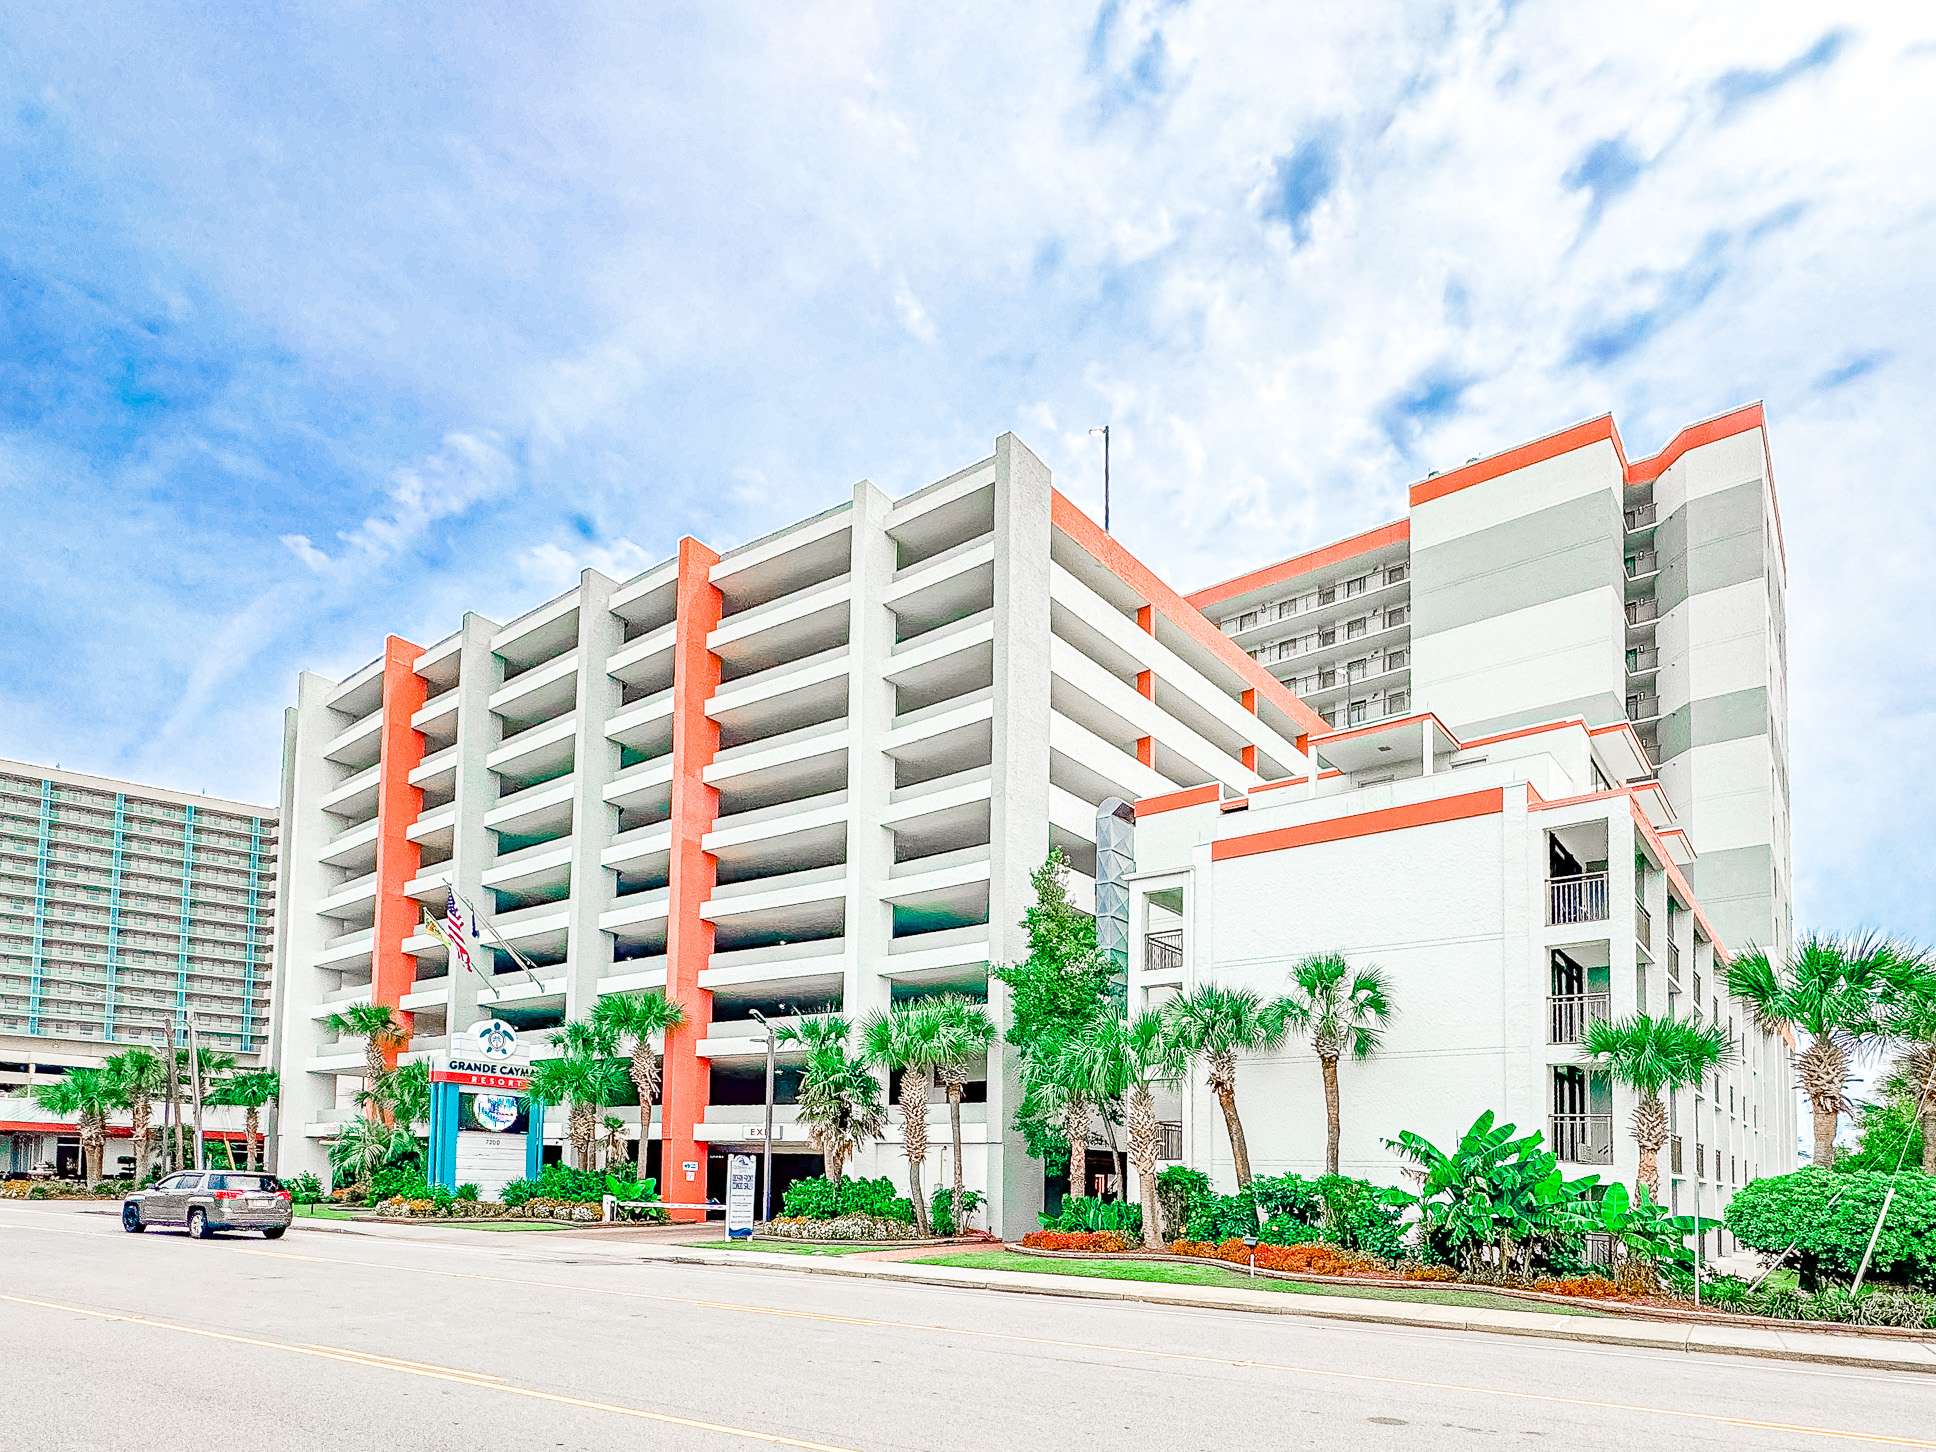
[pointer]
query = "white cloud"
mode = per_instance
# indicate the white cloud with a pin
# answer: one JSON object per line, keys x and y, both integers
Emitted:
{"x": 657, "y": 303}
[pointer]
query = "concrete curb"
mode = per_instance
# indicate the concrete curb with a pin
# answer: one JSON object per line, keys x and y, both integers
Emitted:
{"x": 1652, "y": 1336}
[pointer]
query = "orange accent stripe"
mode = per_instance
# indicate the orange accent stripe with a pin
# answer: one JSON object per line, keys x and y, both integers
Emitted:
{"x": 1694, "y": 436}
{"x": 1579, "y": 436}
{"x": 1146, "y": 750}
{"x": 1195, "y": 796}
{"x": 687, "y": 1080}
{"x": 1174, "y": 608}
{"x": 1384, "y": 535}
{"x": 1541, "y": 729}
{"x": 1364, "y": 824}
{"x": 1290, "y": 781}
{"x": 398, "y": 805}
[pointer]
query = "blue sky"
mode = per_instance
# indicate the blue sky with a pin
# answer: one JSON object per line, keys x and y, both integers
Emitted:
{"x": 328, "y": 321}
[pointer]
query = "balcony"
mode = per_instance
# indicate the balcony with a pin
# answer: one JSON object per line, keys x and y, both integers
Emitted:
{"x": 1641, "y": 516}
{"x": 1169, "y": 1142}
{"x": 1674, "y": 1155}
{"x": 1582, "y": 1139}
{"x": 1163, "y": 953}
{"x": 1673, "y": 962}
{"x": 1643, "y": 708}
{"x": 1581, "y": 898}
{"x": 1644, "y": 926}
{"x": 1642, "y": 563}
{"x": 1642, "y": 659}
{"x": 1642, "y": 612}
{"x": 1569, "y": 1014}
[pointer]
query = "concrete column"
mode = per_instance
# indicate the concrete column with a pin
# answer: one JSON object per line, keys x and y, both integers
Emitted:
{"x": 594, "y": 820}
{"x": 480, "y": 673}
{"x": 299, "y": 986}
{"x": 1019, "y": 806}
{"x": 870, "y": 771}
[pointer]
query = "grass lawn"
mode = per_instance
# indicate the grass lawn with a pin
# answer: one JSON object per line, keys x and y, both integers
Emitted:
{"x": 321, "y": 1212}
{"x": 784, "y": 1247}
{"x": 1222, "y": 1277}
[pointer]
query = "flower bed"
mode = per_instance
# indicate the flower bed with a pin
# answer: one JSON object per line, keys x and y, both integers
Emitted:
{"x": 399, "y": 1207}
{"x": 1094, "y": 1242}
{"x": 63, "y": 1190}
{"x": 841, "y": 1227}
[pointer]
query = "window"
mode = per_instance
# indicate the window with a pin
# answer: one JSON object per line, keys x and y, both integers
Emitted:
{"x": 1357, "y": 586}
{"x": 244, "y": 1182}
{"x": 1355, "y": 628}
{"x": 1398, "y": 615}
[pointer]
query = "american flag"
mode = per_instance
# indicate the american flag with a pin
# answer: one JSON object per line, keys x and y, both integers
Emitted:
{"x": 457, "y": 931}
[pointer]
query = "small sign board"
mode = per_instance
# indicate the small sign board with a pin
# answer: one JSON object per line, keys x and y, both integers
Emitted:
{"x": 739, "y": 1197}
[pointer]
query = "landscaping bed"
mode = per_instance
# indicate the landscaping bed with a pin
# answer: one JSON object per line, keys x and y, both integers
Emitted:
{"x": 1283, "y": 1263}
{"x": 24, "y": 1189}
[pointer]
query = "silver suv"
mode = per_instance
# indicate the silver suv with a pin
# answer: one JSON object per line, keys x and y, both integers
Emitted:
{"x": 206, "y": 1201}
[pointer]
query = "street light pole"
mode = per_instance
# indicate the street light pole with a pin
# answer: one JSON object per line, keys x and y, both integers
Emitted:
{"x": 1104, "y": 431}
{"x": 195, "y": 1085}
{"x": 766, "y": 1148}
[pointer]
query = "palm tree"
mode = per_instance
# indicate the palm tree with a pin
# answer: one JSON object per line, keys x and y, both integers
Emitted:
{"x": 1649, "y": 1056}
{"x": 1343, "y": 1011}
{"x": 614, "y": 1140}
{"x": 840, "y": 1099}
{"x": 139, "y": 1075}
{"x": 89, "y": 1096}
{"x": 380, "y": 1027}
{"x": 1087, "y": 1068}
{"x": 583, "y": 1076}
{"x": 1216, "y": 1024}
{"x": 1838, "y": 992}
{"x": 1153, "y": 1059}
{"x": 966, "y": 1032}
{"x": 908, "y": 1038}
{"x": 251, "y": 1090}
{"x": 637, "y": 1018}
{"x": 1912, "y": 1022}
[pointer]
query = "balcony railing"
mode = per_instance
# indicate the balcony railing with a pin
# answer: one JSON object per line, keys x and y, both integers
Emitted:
{"x": 1642, "y": 562}
{"x": 1644, "y": 926}
{"x": 1163, "y": 952}
{"x": 1169, "y": 1141}
{"x": 1583, "y": 1139}
{"x": 1640, "y": 516}
{"x": 1674, "y": 962}
{"x": 1578, "y": 899}
{"x": 1568, "y": 1014}
{"x": 1643, "y": 658}
{"x": 1674, "y": 1154}
{"x": 1642, "y": 708}
{"x": 1639, "y": 612}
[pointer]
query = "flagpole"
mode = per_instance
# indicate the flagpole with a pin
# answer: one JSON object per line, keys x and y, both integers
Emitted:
{"x": 518, "y": 958}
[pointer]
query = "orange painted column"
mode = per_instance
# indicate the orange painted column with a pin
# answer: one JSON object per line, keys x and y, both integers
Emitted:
{"x": 1146, "y": 686}
{"x": 397, "y": 804}
{"x": 687, "y": 1084}
{"x": 1250, "y": 751}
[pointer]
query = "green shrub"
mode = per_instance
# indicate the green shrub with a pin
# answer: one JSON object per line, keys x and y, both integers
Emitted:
{"x": 1829, "y": 1218}
{"x": 1830, "y": 1303}
{"x": 1289, "y": 1197}
{"x": 843, "y": 1227}
{"x": 1356, "y": 1217}
{"x": 814, "y": 1198}
{"x": 1178, "y": 1189}
{"x": 1780, "y": 1302}
{"x": 941, "y": 1208}
{"x": 467, "y": 1191}
{"x": 557, "y": 1182}
{"x": 304, "y": 1189}
{"x": 1217, "y": 1218}
{"x": 1085, "y": 1212}
{"x": 1721, "y": 1292}
{"x": 1896, "y": 1308}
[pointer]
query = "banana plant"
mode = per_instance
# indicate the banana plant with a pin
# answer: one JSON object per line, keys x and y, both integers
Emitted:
{"x": 1647, "y": 1228}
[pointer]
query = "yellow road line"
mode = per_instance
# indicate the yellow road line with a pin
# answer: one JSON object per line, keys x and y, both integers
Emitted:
{"x": 478, "y": 1380}
{"x": 1154, "y": 1353}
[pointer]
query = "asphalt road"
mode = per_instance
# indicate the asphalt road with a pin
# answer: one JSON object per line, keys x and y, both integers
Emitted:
{"x": 508, "y": 1341}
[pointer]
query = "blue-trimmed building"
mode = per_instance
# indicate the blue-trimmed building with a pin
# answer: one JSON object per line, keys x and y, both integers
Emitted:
{"x": 124, "y": 909}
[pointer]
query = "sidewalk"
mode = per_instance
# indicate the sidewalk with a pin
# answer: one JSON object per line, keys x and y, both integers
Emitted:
{"x": 1875, "y": 1353}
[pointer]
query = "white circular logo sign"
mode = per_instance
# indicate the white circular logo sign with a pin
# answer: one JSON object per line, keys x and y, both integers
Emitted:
{"x": 492, "y": 1038}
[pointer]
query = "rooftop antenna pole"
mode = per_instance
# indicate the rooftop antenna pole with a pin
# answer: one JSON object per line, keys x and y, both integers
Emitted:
{"x": 1104, "y": 431}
